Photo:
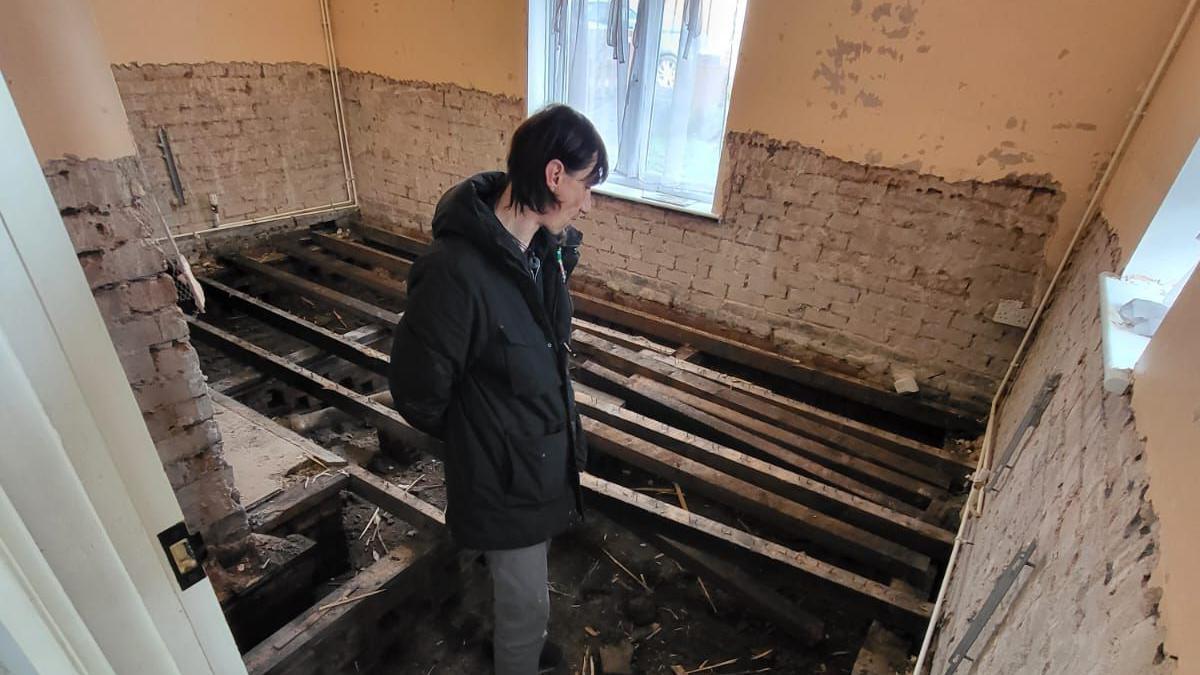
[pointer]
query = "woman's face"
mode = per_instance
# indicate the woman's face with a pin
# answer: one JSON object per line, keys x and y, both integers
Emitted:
{"x": 574, "y": 193}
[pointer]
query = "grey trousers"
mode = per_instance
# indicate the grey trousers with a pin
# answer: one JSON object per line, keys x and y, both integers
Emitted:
{"x": 521, "y": 607}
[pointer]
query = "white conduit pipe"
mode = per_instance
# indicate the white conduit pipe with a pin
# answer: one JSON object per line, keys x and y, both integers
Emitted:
{"x": 989, "y": 435}
{"x": 351, "y": 200}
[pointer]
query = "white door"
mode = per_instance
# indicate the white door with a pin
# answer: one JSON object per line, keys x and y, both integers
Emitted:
{"x": 85, "y": 585}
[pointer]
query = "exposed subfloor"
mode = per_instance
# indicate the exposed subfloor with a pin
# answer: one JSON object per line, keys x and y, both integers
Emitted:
{"x": 615, "y": 598}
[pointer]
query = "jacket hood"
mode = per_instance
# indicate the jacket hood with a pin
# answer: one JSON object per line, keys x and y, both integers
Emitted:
{"x": 467, "y": 210}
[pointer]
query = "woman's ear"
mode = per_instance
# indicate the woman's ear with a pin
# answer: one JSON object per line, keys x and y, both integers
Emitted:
{"x": 554, "y": 174}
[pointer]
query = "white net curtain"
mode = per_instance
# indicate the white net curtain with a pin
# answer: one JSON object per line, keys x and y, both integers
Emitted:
{"x": 654, "y": 76}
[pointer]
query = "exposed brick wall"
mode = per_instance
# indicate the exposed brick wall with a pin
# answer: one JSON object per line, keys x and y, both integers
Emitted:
{"x": 860, "y": 269}
{"x": 109, "y": 224}
{"x": 1078, "y": 488}
{"x": 262, "y": 137}
{"x": 412, "y": 141}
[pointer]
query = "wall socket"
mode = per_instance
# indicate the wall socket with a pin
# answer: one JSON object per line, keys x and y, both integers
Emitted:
{"x": 1013, "y": 313}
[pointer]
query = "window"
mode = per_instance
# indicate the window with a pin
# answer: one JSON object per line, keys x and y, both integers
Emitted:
{"x": 654, "y": 76}
{"x": 1134, "y": 303}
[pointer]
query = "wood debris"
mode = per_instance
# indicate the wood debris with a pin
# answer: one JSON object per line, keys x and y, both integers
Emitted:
{"x": 625, "y": 569}
{"x": 348, "y": 600}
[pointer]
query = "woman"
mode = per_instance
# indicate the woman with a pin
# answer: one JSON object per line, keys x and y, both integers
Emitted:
{"x": 479, "y": 360}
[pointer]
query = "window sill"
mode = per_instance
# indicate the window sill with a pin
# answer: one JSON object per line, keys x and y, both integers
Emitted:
{"x": 662, "y": 201}
{"x": 1121, "y": 347}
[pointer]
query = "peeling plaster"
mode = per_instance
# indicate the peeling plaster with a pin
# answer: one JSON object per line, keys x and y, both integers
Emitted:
{"x": 1006, "y": 159}
{"x": 834, "y": 71}
{"x": 868, "y": 99}
{"x": 881, "y": 11}
{"x": 856, "y": 6}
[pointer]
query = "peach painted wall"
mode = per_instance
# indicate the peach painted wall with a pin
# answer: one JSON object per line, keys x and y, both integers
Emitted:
{"x": 1166, "y": 403}
{"x": 1159, "y": 149}
{"x": 479, "y": 44}
{"x": 195, "y": 31}
{"x": 63, "y": 89}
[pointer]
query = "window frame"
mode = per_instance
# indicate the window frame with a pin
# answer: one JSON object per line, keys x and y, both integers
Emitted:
{"x": 538, "y": 66}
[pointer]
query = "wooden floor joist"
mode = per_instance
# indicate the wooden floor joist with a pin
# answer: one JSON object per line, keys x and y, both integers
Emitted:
{"x": 310, "y": 357}
{"x": 364, "y": 255}
{"x": 273, "y": 513}
{"x": 825, "y": 531}
{"x": 378, "y": 415}
{"x": 901, "y": 528}
{"x": 927, "y": 412}
{"x": 798, "y": 622}
{"x": 877, "y": 477}
{"x": 323, "y": 338}
{"x": 896, "y": 603}
{"x": 393, "y": 240}
{"x": 888, "y": 480}
{"x": 295, "y": 648}
{"x": 734, "y": 436}
{"x": 314, "y": 291}
{"x": 635, "y": 342}
{"x": 329, "y": 265}
{"x": 394, "y": 499}
{"x": 659, "y": 370}
{"x": 952, "y": 464}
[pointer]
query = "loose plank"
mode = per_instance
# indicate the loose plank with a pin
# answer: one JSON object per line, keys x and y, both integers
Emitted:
{"x": 823, "y": 440}
{"x": 904, "y": 529}
{"x": 927, "y": 412}
{"x": 825, "y": 531}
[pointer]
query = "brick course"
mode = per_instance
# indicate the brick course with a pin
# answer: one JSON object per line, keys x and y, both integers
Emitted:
{"x": 1078, "y": 487}
{"x": 261, "y": 136}
{"x": 857, "y": 268}
{"x": 108, "y": 225}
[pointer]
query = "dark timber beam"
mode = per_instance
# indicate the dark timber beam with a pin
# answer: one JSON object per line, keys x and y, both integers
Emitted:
{"x": 298, "y": 647}
{"x": 309, "y": 357}
{"x": 827, "y": 532}
{"x": 393, "y": 499}
{"x": 798, "y": 622}
{"x": 364, "y": 255}
{"x": 832, "y": 443}
{"x": 279, "y": 510}
{"x": 913, "y": 449}
{"x": 896, "y": 604}
{"x": 734, "y": 436}
{"x": 634, "y": 342}
{"x": 375, "y": 414}
{"x": 907, "y": 608}
{"x": 330, "y": 266}
{"x": 904, "y": 529}
{"x": 883, "y": 478}
{"x": 322, "y": 338}
{"x": 393, "y": 240}
{"x": 927, "y": 412}
{"x": 314, "y": 291}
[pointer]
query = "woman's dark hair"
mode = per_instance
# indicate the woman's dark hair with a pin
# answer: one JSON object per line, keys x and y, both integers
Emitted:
{"x": 555, "y": 132}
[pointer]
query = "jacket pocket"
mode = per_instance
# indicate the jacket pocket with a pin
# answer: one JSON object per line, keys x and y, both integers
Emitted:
{"x": 530, "y": 362}
{"x": 538, "y": 468}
